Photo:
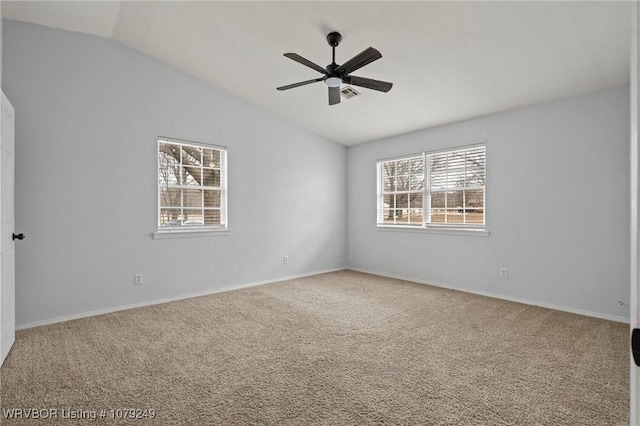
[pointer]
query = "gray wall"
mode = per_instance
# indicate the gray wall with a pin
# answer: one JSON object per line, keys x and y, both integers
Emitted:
{"x": 1, "y": 43}
{"x": 557, "y": 207}
{"x": 88, "y": 113}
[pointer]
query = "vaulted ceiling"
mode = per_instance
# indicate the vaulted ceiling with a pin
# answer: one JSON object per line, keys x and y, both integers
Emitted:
{"x": 449, "y": 61}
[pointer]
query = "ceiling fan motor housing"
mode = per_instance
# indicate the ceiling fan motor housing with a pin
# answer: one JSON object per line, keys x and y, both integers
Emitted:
{"x": 334, "y": 39}
{"x": 331, "y": 68}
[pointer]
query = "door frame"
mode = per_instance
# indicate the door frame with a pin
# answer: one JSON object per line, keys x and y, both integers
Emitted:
{"x": 634, "y": 294}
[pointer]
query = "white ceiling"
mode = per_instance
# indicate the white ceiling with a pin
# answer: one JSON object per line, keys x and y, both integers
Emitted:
{"x": 449, "y": 61}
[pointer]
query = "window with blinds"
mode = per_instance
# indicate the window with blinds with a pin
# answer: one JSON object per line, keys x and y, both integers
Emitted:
{"x": 431, "y": 189}
{"x": 192, "y": 186}
{"x": 401, "y": 200}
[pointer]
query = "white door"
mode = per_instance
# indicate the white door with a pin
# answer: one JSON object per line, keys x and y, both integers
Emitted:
{"x": 634, "y": 317}
{"x": 7, "y": 244}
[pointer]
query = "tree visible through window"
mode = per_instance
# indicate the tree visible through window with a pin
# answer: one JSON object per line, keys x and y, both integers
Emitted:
{"x": 403, "y": 186}
{"x": 446, "y": 188}
{"x": 191, "y": 186}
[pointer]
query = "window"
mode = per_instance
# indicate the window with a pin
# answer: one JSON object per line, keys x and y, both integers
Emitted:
{"x": 192, "y": 186}
{"x": 445, "y": 188}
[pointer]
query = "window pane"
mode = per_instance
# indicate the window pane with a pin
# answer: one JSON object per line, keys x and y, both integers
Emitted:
{"x": 192, "y": 216}
{"x": 437, "y": 215}
{"x": 475, "y": 217}
{"x": 191, "y": 175}
{"x": 170, "y": 217}
{"x": 387, "y": 216}
{"x": 438, "y": 199}
{"x": 388, "y": 169}
{"x": 455, "y": 170}
{"x": 164, "y": 158}
{"x": 402, "y": 216}
{"x": 212, "y": 217}
{"x": 402, "y": 183}
{"x": 388, "y": 200}
{"x": 168, "y": 174}
{"x": 454, "y": 216}
{"x": 416, "y": 165}
{"x": 192, "y": 198}
{"x": 415, "y": 200}
{"x": 168, "y": 153}
{"x": 474, "y": 206}
{"x": 401, "y": 167}
{"x": 191, "y": 155}
{"x": 402, "y": 201}
{"x": 390, "y": 184}
{"x": 211, "y": 177}
{"x": 455, "y": 200}
{"x": 212, "y": 198}
{"x": 416, "y": 216}
{"x": 391, "y": 215}
{"x": 474, "y": 199}
{"x": 416, "y": 182}
{"x": 476, "y": 166}
{"x": 169, "y": 197}
{"x": 211, "y": 158}
{"x": 438, "y": 171}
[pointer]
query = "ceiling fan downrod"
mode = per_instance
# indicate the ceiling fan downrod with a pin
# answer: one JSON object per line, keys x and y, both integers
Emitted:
{"x": 334, "y": 39}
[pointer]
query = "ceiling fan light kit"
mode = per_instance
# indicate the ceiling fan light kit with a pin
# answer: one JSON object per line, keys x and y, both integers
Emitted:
{"x": 335, "y": 75}
{"x": 333, "y": 82}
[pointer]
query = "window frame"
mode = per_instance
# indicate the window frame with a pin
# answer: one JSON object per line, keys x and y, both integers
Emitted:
{"x": 454, "y": 228}
{"x": 193, "y": 230}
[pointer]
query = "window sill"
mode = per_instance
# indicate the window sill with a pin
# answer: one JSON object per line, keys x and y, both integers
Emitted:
{"x": 476, "y": 232}
{"x": 183, "y": 233}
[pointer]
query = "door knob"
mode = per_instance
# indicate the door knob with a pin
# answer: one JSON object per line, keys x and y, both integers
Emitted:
{"x": 18, "y": 236}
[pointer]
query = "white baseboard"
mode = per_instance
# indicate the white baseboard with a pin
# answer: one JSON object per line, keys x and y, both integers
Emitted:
{"x": 615, "y": 318}
{"x": 167, "y": 299}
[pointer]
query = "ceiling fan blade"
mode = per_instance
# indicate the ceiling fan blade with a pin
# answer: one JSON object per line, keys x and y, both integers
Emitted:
{"x": 306, "y": 62}
{"x": 369, "y": 83}
{"x": 334, "y": 95}
{"x": 302, "y": 83}
{"x": 360, "y": 60}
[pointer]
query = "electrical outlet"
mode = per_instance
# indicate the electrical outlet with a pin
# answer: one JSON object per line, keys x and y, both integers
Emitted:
{"x": 371, "y": 255}
{"x": 137, "y": 279}
{"x": 285, "y": 259}
{"x": 504, "y": 273}
{"x": 337, "y": 253}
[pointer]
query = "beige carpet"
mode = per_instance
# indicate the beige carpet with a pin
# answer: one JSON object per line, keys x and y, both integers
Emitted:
{"x": 344, "y": 348}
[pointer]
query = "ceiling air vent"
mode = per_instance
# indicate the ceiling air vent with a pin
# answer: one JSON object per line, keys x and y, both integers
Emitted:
{"x": 349, "y": 92}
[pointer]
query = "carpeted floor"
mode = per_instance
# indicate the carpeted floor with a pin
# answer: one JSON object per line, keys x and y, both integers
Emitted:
{"x": 343, "y": 348}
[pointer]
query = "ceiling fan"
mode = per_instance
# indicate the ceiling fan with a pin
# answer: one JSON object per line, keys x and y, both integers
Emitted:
{"x": 335, "y": 74}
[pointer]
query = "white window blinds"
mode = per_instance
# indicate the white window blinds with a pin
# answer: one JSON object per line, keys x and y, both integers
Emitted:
{"x": 441, "y": 188}
{"x": 457, "y": 183}
{"x": 192, "y": 186}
